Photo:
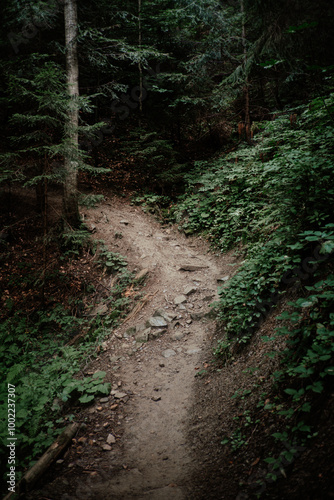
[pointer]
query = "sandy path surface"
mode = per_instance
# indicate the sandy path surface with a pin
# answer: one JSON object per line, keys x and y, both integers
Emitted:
{"x": 151, "y": 458}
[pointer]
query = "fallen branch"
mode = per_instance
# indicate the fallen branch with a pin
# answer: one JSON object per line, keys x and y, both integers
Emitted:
{"x": 140, "y": 305}
{"x": 52, "y": 453}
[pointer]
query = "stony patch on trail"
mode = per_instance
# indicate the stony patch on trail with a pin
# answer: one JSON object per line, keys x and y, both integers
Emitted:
{"x": 134, "y": 442}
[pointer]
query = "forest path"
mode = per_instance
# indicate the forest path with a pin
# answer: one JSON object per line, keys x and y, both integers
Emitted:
{"x": 153, "y": 381}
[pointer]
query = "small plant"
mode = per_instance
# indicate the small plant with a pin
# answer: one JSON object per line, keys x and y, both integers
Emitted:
{"x": 90, "y": 200}
{"x": 113, "y": 262}
{"x": 73, "y": 241}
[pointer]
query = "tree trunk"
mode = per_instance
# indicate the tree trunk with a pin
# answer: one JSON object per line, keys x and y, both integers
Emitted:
{"x": 246, "y": 86}
{"x": 70, "y": 195}
{"x": 140, "y": 67}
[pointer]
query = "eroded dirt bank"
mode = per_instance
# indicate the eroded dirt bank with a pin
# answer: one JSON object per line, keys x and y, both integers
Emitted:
{"x": 134, "y": 444}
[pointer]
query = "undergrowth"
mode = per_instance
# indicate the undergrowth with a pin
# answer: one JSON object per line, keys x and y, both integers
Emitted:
{"x": 43, "y": 353}
{"x": 272, "y": 201}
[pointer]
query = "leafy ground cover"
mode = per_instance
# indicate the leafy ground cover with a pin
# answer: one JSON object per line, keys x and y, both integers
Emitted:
{"x": 273, "y": 200}
{"x": 52, "y": 326}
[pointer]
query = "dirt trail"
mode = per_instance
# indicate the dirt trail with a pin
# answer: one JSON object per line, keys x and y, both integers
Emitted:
{"x": 151, "y": 458}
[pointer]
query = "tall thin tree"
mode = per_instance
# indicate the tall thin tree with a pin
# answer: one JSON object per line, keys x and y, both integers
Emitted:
{"x": 246, "y": 84}
{"x": 70, "y": 195}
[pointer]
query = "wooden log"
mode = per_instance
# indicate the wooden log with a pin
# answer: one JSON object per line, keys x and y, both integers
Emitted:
{"x": 52, "y": 453}
{"x": 192, "y": 267}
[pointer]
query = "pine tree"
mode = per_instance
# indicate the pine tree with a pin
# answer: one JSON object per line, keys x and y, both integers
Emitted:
{"x": 70, "y": 195}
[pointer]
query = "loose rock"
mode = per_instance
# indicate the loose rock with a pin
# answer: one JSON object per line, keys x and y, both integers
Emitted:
{"x": 100, "y": 310}
{"x": 155, "y": 334}
{"x": 168, "y": 353}
{"x": 143, "y": 336}
{"x": 118, "y": 394}
{"x": 165, "y": 315}
{"x": 156, "y": 322}
{"x": 196, "y": 316}
{"x": 142, "y": 274}
{"x": 178, "y": 336}
{"x": 192, "y": 267}
{"x": 111, "y": 439}
{"x": 223, "y": 279}
{"x": 189, "y": 290}
{"x": 180, "y": 299}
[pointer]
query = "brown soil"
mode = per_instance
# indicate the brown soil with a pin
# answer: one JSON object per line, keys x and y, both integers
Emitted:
{"x": 153, "y": 456}
{"x": 172, "y": 412}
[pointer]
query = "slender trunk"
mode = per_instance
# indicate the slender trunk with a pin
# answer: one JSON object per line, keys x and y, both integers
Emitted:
{"x": 140, "y": 67}
{"x": 246, "y": 86}
{"x": 70, "y": 195}
{"x": 45, "y": 234}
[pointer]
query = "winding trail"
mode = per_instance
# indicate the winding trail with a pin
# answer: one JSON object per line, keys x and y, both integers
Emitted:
{"x": 151, "y": 458}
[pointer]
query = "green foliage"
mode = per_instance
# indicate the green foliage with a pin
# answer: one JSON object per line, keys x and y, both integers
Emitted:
{"x": 73, "y": 241}
{"x": 90, "y": 200}
{"x": 112, "y": 261}
{"x": 156, "y": 204}
{"x": 261, "y": 197}
{"x": 272, "y": 201}
{"x": 46, "y": 372}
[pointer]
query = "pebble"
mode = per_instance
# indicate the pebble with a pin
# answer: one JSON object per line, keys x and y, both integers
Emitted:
{"x": 118, "y": 395}
{"x": 156, "y": 321}
{"x": 189, "y": 290}
{"x": 178, "y": 336}
{"x": 168, "y": 353}
{"x": 180, "y": 299}
{"x": 193, "y": 350}
{"x": 111, "y": 439}
{"x": 224, "y": 278}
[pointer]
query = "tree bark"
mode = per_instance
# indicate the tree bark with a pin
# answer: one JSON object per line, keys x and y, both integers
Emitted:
{"x": 70, "y": 194}
{"x": 140, "y": 67}
{"x": 246, "y": 86}
{"x": 29, "y": 479}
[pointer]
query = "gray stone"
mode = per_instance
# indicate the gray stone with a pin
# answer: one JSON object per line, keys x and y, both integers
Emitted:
{"x": 207, "y": 298}
{"x": 106, "y": 447}
{"x": 143, "y": 335}
{"x": 192, "y": 267}
{"x": 223, "y": 279}
{"x": 130, "y": 331}
{"x": 196, "y": 316}
{"x": 156, "y": 322}
{"x": 104, "y": 400}
{"x": 156, "y": 398}
{"x": 118, "y": 394}
{"x": 125, "y": 222}
{"x": 114, "y": 359}
{"x": 168, "y": 353}
{"x": 141, "y": 327}
{"x": 180, "y": 299}
{"x": 100, "y": 309}
{"x": 165, "y": 315}
{"x": 193, "y": 350}
{"x": 155, "y": 334}
{"x": 189, "y": 290}
{"x": 178, "y": 336}
{"x": 111, "y": 439}
{"x": 142, "y": 274}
